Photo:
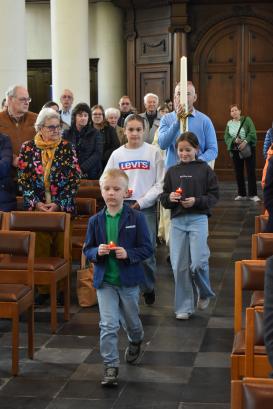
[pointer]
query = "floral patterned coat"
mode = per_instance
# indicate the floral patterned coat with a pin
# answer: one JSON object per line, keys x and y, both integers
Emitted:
{"x": 64, "y": 176}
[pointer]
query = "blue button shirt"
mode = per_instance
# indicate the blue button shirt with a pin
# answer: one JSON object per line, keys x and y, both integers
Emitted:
{"x": 198, "y": 123}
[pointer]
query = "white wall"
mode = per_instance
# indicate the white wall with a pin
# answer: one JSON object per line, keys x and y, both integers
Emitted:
{"x": 38, "y": 31}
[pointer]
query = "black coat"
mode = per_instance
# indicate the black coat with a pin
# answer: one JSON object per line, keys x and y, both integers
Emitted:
{"x": 110, "y": 143}
{"x": 7, "y": 186}
{"x": 89, "y": 147}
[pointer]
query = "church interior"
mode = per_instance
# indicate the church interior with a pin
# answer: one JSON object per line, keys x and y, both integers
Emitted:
{"x": 102, "y": 50}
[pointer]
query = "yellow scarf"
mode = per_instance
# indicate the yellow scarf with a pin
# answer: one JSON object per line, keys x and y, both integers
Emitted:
{"x": 48, "y": 151}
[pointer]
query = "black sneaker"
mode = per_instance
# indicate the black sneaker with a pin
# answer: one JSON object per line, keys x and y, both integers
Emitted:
{"x": 110, "y": 377}
{"x": 149, "y": 297}
{"x": 132, "y": 352}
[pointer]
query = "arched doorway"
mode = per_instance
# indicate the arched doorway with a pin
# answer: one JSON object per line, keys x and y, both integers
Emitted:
{"x": 233, "y": 62}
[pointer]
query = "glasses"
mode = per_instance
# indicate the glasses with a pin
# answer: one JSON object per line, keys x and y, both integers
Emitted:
{"x": 125, "y": 103}
{"x": 53, "y": 128}
{"x": 96, "y": 114}
{"x": 67, "y": 96}
{"x": 135, "y": 129}
{"x": 27, "y": 100}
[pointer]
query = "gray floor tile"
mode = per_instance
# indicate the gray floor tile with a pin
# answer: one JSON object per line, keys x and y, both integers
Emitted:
{"x": 62, "y": 355}
{"x": 212, "y": 359}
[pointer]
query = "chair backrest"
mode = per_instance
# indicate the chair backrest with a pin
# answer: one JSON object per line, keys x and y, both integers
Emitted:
{"x": 252, "y": 393}
{"x": 249, "y": 276}
{"x": 90, "y": 182}
{"x": 41, "y": 222}
{"x": 20, "y": 245}
{"x": 86, "y": 206}
{"x": 256, "y": 360}
{"x": 262, "y": 245}
{"x": 260, "y": 223}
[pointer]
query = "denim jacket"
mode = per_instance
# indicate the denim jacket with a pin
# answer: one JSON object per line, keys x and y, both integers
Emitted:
{"x": 133, "y": 236}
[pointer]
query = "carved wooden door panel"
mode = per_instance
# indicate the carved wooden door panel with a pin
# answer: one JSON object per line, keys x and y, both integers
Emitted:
{"x": 234, "y": 63}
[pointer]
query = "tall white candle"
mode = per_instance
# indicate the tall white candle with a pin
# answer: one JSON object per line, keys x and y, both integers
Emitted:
{"x": 183, "y": 93}
{"x": 183, "y": 83}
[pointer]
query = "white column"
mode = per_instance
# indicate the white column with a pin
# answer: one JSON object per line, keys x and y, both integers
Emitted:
{"x": 69, "y": 44}
{"x": 110, "y": 49}
{"x": 13, "y": 63}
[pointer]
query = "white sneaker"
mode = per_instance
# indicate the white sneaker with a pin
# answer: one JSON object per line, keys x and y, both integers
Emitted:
{"x": 254, "y": 198}
{"x": 183, "y": 316}
{"x": 240, "y": 198}
{"x": 203, "y": 303}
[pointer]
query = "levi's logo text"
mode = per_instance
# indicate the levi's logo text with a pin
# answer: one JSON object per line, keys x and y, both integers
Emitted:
{"x": 135, "y": 164}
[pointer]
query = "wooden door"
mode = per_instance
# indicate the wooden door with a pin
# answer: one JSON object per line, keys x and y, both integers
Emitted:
{"x": 39, "y": 83}
{"x": 233, "y": 63}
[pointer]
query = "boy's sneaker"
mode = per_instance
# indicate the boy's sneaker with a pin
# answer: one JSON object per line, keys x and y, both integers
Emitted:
{"x": 183, "y": 316}
{"x": 149, "y": 297}
{"x": 110, "y": 377}
{"x": 132, "y": 352}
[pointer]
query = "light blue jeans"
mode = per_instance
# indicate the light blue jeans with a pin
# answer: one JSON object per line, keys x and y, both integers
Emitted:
{"x": 150, "y": 263}
{"x": 117, "y": 305}
{"x": 189, "y": 254}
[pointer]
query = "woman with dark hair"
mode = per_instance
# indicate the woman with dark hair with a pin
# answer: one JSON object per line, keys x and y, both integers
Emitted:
{"x": 7, "y": 187}
{"x": 108, "y": 134}
{"x": 86, "y": 140}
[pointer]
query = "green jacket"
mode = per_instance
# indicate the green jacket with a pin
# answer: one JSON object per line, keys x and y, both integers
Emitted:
{"x": 250, "y": 131}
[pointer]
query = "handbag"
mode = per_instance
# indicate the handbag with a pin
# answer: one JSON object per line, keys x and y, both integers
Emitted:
{"x": 244, "y": 150}
{"x": 86, "y": 293}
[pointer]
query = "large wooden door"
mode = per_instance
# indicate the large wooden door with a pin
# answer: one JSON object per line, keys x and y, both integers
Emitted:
{"x": 233, "y": 63}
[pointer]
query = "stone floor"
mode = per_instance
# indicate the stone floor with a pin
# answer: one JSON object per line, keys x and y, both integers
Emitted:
{"x": 185, "y": 365}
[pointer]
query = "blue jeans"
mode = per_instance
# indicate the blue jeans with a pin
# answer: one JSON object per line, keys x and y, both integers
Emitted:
{"x": 189, "y": 254}
{"x": 117, "y": 305}
{"x": 150, "y": 263}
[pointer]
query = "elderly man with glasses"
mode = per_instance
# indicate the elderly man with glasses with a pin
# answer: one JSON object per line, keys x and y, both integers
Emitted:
{"x": 17, "y": 121}
{"x": 66, "y": 99}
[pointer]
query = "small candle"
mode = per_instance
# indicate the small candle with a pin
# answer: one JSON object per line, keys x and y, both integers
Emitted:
{"x": 130, "y": 191}
{"x": 112, "y": 244}
{"x": 179, "y": 190}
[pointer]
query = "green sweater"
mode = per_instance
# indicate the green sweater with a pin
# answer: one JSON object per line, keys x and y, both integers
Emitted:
{"x": 250, "y": 132}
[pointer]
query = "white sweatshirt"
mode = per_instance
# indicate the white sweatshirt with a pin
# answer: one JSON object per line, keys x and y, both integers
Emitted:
{"x": 145, "y": 168}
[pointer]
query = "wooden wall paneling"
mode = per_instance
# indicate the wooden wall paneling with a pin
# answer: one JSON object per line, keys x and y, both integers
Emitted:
{"x": 152, "y": 78}
{"x": 39, "y": 83}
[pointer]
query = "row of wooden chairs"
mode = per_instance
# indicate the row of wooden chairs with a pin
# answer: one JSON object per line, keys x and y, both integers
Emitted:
{"x": 250, "y": 367}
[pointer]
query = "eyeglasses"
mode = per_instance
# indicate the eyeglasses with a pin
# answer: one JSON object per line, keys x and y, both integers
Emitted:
{"x": 27, "y": 100}
{"x": 125, "y": 103}
{"x": 67, "y": 96}
{"x": 96, "y": 114}
{"x": 135, "y": 129}
{"x": 53, "y": 128}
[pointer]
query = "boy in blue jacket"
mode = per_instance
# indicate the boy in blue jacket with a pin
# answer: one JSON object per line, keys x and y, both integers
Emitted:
{"x": 117, "y": 241}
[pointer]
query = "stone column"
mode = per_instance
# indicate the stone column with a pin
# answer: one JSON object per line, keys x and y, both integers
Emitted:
{"x": 109, "y": 39}
{"x": 13, "y": 62}
{"x": 69, "y": 44}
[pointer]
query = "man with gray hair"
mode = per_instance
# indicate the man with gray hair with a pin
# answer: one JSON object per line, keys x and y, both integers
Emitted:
{"x": 17, "y": 121}
{"x": 151, "y": 116}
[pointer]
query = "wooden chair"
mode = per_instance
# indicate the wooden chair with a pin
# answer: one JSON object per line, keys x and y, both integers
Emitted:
{"x": 86, "y": 207}
{"x": 16, "y": 286}
{"x": 257, "y": 363}
{"x": 260, "y": 223}
{"x": 252, "y": 393}
{"x": 262, "y": 245}
{"x": 91, "y": 189}
{"x": 249, "y": 276}
{"x": 48, "y": 270}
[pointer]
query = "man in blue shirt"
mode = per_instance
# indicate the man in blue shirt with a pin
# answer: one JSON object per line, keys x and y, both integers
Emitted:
{"x": 198, "y": 123}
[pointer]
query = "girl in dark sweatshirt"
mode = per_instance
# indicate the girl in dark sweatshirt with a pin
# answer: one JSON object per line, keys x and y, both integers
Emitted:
{"x": 190, "y": 190}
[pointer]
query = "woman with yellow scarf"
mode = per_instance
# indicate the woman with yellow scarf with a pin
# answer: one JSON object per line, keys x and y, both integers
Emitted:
{"x": 48, "y": 174}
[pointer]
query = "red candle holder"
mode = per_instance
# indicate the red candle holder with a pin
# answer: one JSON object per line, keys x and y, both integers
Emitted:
{"x": 112, "y": 245}
{"x": 130, "y": 191}
{"x": 179, "y": 190}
